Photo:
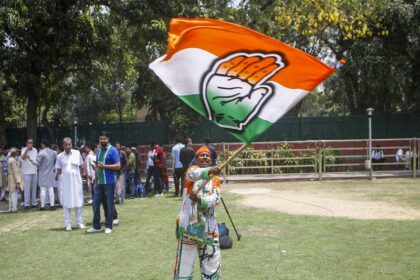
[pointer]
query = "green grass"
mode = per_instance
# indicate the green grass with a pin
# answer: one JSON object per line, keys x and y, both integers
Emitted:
{"x": 274, "y": 245}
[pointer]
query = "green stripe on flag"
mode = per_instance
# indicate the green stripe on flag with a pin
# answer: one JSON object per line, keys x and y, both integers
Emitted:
{"x": 255, "y": 128}
{"x": 195, "y": 102}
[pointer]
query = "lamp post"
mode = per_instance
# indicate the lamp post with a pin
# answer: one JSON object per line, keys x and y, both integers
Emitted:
{"x": 370, "y": 112}
{"x": 75, "y": 132}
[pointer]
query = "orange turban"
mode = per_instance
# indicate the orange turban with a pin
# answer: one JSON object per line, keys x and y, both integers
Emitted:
{"x": 202, "y": 149}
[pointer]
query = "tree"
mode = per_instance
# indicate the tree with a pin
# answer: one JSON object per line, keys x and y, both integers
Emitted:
{"x": 377, "y": 38}
{"x": 44, "y": 39}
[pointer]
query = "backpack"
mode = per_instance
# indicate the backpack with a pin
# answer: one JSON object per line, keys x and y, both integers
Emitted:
{"x": 225, "y": 242}
{"x": 223, "y": 230}
{"x": 139, "y": 190}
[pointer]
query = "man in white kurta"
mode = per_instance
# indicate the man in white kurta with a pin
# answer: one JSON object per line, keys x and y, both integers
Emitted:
{"x": 68, "y": 167}
{"x": 30, "y": 173}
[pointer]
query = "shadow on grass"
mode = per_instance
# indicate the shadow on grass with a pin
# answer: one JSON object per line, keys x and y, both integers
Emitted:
{"x": 57, "y": 229}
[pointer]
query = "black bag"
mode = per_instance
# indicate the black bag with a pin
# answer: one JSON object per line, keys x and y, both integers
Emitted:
{"x": 225, "y": 242}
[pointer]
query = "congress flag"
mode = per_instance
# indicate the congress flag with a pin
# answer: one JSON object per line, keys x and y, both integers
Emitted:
{"x": 242, "y": 80}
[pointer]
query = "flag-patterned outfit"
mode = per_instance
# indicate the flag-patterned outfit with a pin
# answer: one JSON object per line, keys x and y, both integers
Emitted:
{"x": 197, "y": 227}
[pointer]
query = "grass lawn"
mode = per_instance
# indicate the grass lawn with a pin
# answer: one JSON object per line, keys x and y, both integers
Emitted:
{"x": 274, "y": 245}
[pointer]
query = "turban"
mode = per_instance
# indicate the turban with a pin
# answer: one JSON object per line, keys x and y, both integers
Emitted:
{"x": 202, "y": 149}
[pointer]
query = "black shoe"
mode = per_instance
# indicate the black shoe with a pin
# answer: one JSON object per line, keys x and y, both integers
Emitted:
{"x": 27, "y": 207}
{"x": 52, "y": 208}
{"x": 33, "y": 206}
{"x": 41, "y": 209}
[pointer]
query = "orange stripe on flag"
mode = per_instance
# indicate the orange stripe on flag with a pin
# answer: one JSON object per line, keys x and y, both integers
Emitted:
{"x": 302, "y": 70}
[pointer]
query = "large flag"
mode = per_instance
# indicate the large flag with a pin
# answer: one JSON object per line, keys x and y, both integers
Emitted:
{"x": 242, "y": 80}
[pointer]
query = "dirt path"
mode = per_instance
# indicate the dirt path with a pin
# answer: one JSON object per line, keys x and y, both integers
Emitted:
{"x": 324, "y": 202}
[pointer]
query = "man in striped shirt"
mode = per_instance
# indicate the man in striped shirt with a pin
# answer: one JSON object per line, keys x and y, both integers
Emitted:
{"x": 107, "y": 164}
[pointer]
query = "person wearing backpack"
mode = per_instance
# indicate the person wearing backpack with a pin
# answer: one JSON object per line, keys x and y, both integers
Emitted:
{"x": 197, "y": 229}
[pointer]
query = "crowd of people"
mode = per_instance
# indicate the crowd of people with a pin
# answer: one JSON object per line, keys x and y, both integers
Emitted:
{"x": 36, "y": 178}
{"x": 108, "y": 170}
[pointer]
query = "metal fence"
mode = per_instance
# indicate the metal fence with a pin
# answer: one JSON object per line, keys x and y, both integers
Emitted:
{"x": 316, "y": 157}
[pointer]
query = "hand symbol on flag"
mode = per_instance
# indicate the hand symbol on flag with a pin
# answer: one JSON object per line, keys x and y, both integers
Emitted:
{"x": 238, "y": 86}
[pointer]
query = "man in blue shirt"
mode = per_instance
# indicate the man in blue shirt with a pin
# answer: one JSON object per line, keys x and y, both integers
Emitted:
{"x": 177, "y": 167}
{"x": 107, "y": 164}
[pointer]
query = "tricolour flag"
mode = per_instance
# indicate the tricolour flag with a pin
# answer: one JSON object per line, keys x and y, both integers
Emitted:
{"x": 242, "y": 80}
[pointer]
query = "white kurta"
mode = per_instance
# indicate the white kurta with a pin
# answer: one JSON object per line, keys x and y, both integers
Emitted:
{"x": 70, "y": 179}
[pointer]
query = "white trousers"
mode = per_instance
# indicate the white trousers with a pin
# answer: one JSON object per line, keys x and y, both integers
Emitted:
{"x": 31, "y": 183}
{"x": 67, "y": 215}
{"x": 12, "y": 201}
{"x": 209, "y": 261}
{"x": 2, "y": 192}
{"x": 50, "y": 196}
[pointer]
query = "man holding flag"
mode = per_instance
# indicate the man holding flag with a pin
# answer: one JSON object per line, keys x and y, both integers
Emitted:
{"x": 242, "y": 80}
{"x": 196, "y": 225}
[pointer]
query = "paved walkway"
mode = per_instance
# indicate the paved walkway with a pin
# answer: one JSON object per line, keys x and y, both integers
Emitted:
{"x": 315, "y": 176}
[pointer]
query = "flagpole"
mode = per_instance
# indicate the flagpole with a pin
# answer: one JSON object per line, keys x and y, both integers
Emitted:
{"x": 226, "y": 162}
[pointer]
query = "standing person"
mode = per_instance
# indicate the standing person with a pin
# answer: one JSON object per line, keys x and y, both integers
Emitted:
{"x": 149, "y": 166}
{"x": 120, "y": 192}
{"x": 186, "y": 155}
{"x": 212, "y": 149}
{"x": 90, "y": 170}
{"x": 30, "y": 173}
{"x": 197, "y": 226}
{"x": 177, "y": 167}
{"x": 165, "y": 177}
{"x": 46, "y": 162}
{"x": 137, "y": 175}
{"x": 84, "y": 152}
{"x": 158, "y": 158}
{"x": 3, "y": 174}
{"x": 57, "y": 189}
{"x": 14, "y": 182}
{"x": 107, "y": 164}
{"x": 131, "y": 170}
{"x": 69, "y": 169}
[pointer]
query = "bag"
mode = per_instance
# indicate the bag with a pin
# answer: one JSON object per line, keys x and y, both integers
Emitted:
{"x": 140, "y": 190}
{"x": 223, "y": 230}
{"x": 225, "y": 242}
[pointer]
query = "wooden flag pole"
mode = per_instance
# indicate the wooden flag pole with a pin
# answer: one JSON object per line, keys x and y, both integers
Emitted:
{"x": 226, "y": 162}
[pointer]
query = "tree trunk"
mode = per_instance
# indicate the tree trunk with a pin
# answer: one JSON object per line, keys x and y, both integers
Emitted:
{"x": 32, "y": 116}
{"x": 3, "y": 139}
{"x": 45, "y": 122}
{"x": 351, "y": 94}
